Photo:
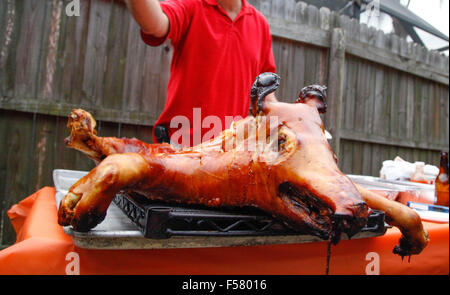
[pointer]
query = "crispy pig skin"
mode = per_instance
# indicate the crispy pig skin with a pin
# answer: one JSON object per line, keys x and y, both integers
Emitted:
{"x": 286, "y": 169}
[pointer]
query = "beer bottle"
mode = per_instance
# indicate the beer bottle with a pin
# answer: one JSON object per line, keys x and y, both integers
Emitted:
{"x": 441, "y": 183}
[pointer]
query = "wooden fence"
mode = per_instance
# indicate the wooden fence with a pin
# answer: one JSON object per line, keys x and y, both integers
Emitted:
{"x": 386, "y": 97}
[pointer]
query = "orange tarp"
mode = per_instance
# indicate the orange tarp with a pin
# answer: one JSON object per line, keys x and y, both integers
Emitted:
{"x": 42, "y": 247}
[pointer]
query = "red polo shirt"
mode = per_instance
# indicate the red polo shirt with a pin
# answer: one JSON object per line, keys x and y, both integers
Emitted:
{"x": 215, "y": 62}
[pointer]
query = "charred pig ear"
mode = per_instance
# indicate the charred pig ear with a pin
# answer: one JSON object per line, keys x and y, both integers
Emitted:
{"x": 316, "y": 95}
{"x": 264, "y": 84}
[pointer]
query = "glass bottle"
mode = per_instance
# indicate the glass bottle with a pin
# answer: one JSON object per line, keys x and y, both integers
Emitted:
{"x": 441, "y": 182}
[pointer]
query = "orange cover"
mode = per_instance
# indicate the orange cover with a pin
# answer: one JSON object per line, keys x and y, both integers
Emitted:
{"x": 42, "y": 247}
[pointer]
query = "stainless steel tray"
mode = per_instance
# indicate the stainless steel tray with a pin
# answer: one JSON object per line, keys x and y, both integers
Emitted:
{"x": 377, "y": 183}
{"x": 118, "y": 232}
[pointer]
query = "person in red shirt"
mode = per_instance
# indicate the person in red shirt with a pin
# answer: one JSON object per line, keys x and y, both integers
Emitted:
{"x": 220, "y": 47}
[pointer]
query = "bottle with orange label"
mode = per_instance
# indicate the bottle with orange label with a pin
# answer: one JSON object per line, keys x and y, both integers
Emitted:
{"x": 441, "y": 182}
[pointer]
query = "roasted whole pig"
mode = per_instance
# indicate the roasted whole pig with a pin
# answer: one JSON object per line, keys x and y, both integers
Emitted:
{"x": 286, "y": 168}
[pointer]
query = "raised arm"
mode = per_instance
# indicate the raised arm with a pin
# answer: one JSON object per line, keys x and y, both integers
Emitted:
{"x": 150, "y": 17}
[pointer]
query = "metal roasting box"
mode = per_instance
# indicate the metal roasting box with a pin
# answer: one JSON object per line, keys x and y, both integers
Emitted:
{"x": 158, "y": 220}
{"x": 134, "y": 222}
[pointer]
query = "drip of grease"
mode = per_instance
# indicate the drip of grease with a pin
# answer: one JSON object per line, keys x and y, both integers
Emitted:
{"x": 328, "y": 256}
{"x": 330, "y": 240}
{"x": 409, "y": 258}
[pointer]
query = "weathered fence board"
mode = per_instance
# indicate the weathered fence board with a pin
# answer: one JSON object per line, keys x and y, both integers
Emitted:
{"x": 387, "y": 97}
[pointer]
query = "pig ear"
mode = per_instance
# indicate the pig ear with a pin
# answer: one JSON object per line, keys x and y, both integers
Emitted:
{"x": 314, "y": 95}
{"x": 264, "y": 84}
